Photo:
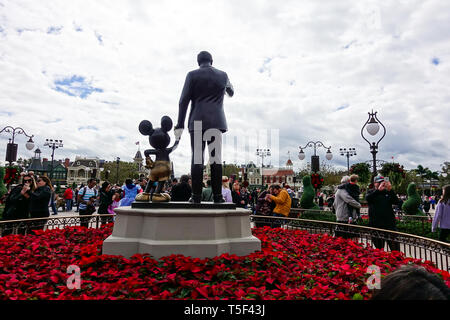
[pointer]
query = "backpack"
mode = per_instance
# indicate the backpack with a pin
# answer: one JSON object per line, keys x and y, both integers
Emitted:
{"x": 84, "y": 193}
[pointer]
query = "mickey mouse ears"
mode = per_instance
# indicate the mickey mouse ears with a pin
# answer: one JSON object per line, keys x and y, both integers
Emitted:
{"x": 166, "y": 123}
{"x": 146, "y": 127}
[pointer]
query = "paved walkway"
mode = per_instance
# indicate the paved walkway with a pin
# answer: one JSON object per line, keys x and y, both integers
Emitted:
{"x": 66, "y": 213}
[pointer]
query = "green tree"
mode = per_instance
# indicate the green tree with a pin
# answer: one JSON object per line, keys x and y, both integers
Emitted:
{"x": 395, "y": 172}
{"x": 421, "y": 172}
{"x": 126, "y": 170}
{"x": 3, "y": 189}
{"x": 229, "y": 169}
{"x": 331, "y": 175}
{"x": 362, "y": 169}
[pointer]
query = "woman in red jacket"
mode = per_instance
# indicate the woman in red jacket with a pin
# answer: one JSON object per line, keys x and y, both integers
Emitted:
{"x": 68, "y": 196}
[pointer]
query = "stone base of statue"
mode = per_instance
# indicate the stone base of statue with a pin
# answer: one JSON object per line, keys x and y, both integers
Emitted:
{"x": 196, "y": 230}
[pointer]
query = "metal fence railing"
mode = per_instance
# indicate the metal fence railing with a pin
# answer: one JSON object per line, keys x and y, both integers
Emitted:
{"x": 417, "y": 225}
{"x": 411, "y": 245}
{"x": 26, "y": 226}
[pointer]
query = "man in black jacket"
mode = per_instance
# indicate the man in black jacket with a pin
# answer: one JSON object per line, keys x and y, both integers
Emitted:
{"x": 205, "y": 89}
{"x": 181, "y": 191}
{"x": 381, "y": 214}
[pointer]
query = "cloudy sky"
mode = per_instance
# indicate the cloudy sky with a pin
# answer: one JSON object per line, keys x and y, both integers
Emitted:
{"x": 88, "y": 72}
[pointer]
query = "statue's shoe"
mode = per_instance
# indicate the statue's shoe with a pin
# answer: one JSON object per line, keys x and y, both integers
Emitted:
{"x": 166, "y": 195}
{"x": 160, "y": 197}
{"x": 195, "y": 199}
{"x": 142, "y": 197}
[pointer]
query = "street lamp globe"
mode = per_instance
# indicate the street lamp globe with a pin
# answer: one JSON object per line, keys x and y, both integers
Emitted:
{"x": 301, "y": 155}
{"x": 329, "y": 155}
{"x": 444, "y": 174}
{"x": 373, "y": 127}
{"x": 30, "y": 144}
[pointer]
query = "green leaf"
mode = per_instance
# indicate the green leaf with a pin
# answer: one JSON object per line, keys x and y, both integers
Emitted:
{"x": 185, "y": 292}
{"x": 358, "y": 296}
{"x": 278, "y": 261}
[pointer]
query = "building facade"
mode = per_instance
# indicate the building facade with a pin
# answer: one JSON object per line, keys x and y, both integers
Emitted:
{"x": 82, "y": 169}
{"x": 56, "y": 171}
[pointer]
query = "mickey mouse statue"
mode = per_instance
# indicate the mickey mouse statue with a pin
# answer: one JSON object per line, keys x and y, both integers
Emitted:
{"x": 160, "y": 168}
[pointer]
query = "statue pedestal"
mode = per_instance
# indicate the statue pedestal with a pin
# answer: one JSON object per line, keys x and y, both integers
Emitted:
{"x": 161, "y": 230}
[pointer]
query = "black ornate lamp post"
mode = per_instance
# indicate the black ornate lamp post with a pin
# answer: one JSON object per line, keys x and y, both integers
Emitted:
{"x": 373, "y": 126}
{"x": 53, "y": 144}
{"x": 11, "y": 148}
{"x": 117, "y": 170}
{"x": 262, "y": 153}
{"x": 348, "y": 153}
{"x": 315, "y": 166}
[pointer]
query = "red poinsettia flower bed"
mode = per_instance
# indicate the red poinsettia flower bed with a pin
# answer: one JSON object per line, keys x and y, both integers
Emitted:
{"x": 291, "y": 265}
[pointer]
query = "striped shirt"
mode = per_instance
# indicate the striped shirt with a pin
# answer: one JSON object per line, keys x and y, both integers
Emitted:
{"x": 89, "y": 193}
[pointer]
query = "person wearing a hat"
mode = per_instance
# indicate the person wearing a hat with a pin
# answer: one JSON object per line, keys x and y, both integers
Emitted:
{"x": 226, "y": 192}
{"x": 381, "y": 213}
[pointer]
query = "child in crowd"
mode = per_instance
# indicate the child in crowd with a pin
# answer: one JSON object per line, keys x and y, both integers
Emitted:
{"x": 115, "y": 202}
{"x": 353, "y": 190}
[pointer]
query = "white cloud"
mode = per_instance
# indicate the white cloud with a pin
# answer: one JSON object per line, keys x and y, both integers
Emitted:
{"x": 316, "y": 56}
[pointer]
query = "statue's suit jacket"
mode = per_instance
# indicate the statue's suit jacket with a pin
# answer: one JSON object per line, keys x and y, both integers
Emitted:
{"x": 205, "y": 87}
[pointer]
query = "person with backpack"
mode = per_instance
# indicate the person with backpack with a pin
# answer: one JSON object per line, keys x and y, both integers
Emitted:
{"x": 84, "y": 195}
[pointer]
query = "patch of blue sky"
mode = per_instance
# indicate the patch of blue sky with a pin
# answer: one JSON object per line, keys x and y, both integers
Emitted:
{"x": 53, "y": 121}
{"x": 99, "y": 37}
{"x": 54, "y": 30}
{"x": 265, "y": 66}
{"x": 435, "y": 61}
{"x": 342, "y": 107}
{"x": 77, "y": 27}
{"x": 21, "y": 30}
{"x": 7, "y": 113}
{"x": 111, "y": 103}
{"x": 75, "y": 86}
{"x": 88, "y": 128}
{"x": 349, "y": 44}
{"x": 121, "y": 137}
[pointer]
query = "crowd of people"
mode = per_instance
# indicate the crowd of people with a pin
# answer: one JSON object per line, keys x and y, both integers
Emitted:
{"x": 35, "y": 195}
{"x": 29, "y": 199}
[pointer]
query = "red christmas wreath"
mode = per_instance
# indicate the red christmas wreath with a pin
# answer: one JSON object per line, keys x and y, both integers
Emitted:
{"x": 317, "y": 180}
{"x": 11, "y": 175}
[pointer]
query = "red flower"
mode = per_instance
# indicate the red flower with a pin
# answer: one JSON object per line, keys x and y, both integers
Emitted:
{"x": 292, "y": 264}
